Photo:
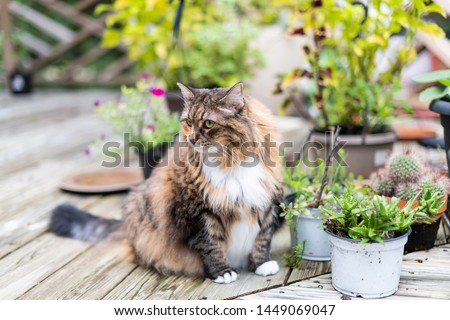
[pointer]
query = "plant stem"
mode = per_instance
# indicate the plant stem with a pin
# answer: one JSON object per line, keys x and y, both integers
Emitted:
{"x": 333, "y": 149}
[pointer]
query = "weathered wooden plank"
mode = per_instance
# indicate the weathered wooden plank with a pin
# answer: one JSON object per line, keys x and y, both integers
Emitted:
{"x": 142, "y": 284}
{"x": 427, "y": 279}
{"x": 26, "y": 150}
{"x": 84, "y": 4}
{"x": 94, "y": 25}
{"x": 309, "y": 269}
{"x": 61, "y": 48}
{"x": 91, "y": 275}
{"x": 41, "y": 21}
{"x": 37, "y": 223}
{"x": 24, "y": 268}
{"x": 90, "y": 56}
{"x": 138, "y": 285}
{"x": 35, "y": 44}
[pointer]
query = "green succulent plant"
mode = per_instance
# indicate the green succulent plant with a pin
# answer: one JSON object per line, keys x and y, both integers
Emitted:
{"x": 370, "y": 219}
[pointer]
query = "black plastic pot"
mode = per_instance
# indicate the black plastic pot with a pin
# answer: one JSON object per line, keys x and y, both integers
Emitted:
{"x": 20, "y": 82}
{"x": 443, "y": 108}
{"x": 423, "y": 236}
{"x": 150, "y": 159}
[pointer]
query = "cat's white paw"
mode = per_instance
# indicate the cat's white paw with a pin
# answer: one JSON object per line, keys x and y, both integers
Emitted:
{"x": 268, "y": 268}
{"x": 227, "y": 277}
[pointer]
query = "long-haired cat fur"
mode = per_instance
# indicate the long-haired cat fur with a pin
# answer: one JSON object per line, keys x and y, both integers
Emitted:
{"x": 211, "y": 207}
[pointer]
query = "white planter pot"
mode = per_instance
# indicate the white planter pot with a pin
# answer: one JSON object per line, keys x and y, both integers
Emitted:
{"x": 371, "y": 270}
{"x": 309, "y": 229}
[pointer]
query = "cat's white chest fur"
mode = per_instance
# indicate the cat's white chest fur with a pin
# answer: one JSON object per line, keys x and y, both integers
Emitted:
{"x": 240, "y": 186}
{"x": 241, "y": 241}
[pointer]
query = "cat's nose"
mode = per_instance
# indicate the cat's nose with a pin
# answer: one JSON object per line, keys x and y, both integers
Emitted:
{"x": 193, "y": 138}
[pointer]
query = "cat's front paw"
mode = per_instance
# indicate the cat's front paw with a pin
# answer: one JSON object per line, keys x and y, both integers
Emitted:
{"x": 268, "y": 268}
{"x": 227, "y": 277}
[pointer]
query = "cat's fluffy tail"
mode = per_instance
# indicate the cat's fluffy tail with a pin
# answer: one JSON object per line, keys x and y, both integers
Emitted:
{"x": 70, "y": 222}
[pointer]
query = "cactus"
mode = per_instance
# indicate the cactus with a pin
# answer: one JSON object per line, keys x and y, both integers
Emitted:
{"x": 433, "y": 187}
{"x": 384, "y": 188}
{"x": 404, "y": 169}
{"x": 407, "y": 191}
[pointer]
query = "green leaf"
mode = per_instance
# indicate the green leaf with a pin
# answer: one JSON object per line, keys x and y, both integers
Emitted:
{"x": 435, "y": 76}
{"x": 101, "y": 8}
{"x": 431, "y": 93}
{"x": 433, "y": 7}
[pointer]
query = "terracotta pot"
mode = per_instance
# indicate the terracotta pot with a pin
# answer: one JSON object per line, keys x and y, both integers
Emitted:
{"x": 403, "y": 203}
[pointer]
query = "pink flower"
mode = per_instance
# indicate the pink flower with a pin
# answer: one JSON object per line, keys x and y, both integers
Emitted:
{"x": 87, "y": 152}
{"x": 145, "y": 75}
{"x": 97, "y": 103}
{"x": 151, "y": 127}
{"x": 157, "y": 92}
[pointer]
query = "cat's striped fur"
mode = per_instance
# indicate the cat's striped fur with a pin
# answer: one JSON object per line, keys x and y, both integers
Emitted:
{"x": 196, "y": 218}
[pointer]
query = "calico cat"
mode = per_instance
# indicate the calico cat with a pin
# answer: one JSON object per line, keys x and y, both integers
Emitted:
{"x": 213, "y": 207}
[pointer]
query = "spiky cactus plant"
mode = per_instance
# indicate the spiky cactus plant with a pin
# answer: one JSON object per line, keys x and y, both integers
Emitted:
{"x": 407, "y": 191}
{"x": 384, "y": 188}
{"x": 404, "y": 168}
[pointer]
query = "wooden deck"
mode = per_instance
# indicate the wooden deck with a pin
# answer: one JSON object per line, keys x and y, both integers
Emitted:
{"x": 42, "y": 138}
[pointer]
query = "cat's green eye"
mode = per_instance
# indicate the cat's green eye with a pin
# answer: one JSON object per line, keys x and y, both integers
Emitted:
{"x": 208, "y": 124}
{"x": 189, "y": 122}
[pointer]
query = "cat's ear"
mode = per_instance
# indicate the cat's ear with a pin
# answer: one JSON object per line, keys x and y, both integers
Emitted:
{"x": 187, "y": 92}
{"x": 235, "y": 94}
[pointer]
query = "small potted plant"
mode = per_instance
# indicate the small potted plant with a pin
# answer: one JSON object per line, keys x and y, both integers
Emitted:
{"x": 348, "y": 85}
{"x": 367, "y": 236}
{"x": 406, "y": 176}
{"x": 141, "y": 117}
{"x": 302, "y": 212}
{"x": 309, "y": 187}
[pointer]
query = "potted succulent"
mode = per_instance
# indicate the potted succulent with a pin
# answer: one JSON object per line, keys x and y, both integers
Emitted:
{"x": 367, "y": 236}
{"x": 348, "y": 85}
{"x": 301, "y": 209}
{"x": 141, "y": 117}
{"x": 205, "y": 44}
{"x": 406, "y": 176}
{"x": 309, "y": 187}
